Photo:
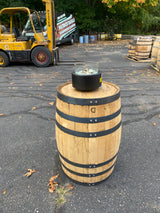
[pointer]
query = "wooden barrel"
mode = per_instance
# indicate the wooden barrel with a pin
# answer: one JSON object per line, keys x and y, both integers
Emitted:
{"x": 158, "y": 61}
{"x": 155, "y": 50}
{"x": 88, "y": 131}
{"x": 131, "y": 49}
{"x": 143, "y": 47}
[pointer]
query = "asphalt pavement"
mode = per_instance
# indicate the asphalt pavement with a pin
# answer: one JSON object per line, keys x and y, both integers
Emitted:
{"x": 27, "y": 136}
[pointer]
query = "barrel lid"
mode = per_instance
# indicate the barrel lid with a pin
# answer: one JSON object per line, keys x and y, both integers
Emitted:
{"x": 107, "y": 93}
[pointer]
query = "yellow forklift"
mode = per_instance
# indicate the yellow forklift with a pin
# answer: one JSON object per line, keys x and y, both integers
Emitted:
{"x": 16, "y": 48}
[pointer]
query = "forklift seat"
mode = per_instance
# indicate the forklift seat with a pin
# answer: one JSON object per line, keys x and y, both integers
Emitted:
{"x": 15, "y": 31}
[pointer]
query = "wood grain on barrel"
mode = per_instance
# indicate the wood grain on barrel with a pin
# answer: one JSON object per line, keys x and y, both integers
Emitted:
{"x": 88, "y": 150}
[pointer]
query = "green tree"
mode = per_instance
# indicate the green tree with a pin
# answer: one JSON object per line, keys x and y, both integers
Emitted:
{"x": 120, "y": 16}
{"x": 134, "y": 16}
{"x": 33, "y": 4}
{"x": 89, "y": 14}
{"x": 20, "y": 19}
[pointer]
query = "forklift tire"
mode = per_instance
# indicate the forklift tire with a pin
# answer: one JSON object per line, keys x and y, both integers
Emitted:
{"x": 4, "y": 60}
{"x": 41, "y": 56}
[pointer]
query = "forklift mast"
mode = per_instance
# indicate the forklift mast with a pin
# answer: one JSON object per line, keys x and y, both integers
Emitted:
{"x": 50, "y": 20}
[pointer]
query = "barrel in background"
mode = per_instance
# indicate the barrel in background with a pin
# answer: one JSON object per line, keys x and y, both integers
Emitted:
{"x": 88, "y": 131}
{"x": 140, "y": 48}
{"x": 103, "y": 36}
{"x": 93, "y": 39}
{"x": 118, "y": 36}
{"x": 143, "y": 47}
{"x": 81, "y": 39}
{"x": 131, "y": 49}
{"x": 155, "y": 50}
{"x": 158, "y": 60}
{"x": 86, "y": 39}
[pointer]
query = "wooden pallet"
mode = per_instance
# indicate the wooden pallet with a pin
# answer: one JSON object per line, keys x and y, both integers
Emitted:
{"x": 138, "y": 60}
{"x": 154, "y": 67}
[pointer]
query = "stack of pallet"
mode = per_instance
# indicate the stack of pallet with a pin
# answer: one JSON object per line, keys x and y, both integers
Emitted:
{"x": 155, "y": 57}
{"x": 140, "y": 48}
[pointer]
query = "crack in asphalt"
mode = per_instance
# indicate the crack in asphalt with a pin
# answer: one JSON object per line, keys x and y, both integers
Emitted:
{"x": 34, "y": 113}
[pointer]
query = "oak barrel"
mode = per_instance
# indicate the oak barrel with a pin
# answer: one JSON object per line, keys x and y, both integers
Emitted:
{"x": 132, "y": 49}
{"x": 143, "y": 47}
{"x": 155, "y": 50}
{"x": 158, "y": 60}
{"x": 88, "y": 131}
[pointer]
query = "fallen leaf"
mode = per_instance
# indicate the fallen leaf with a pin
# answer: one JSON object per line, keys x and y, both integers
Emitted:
{"x": 33, "y": 108}
{"x": 1, "y": 114}
{"x": 4, "y": 192}
{"x": 30, "y": 172}
{"x": 52, "y": 185}
{"x": 11, "y": 83}
{"x": 70, "y": 187}
{"x": 51, "y": 103}
{"x": 40, "y": 95}
{"x": 53, "y": 178}
{"x": 159, "y": 116}
{"x": 41, "y": 85}
{"x": 154, "y": 124}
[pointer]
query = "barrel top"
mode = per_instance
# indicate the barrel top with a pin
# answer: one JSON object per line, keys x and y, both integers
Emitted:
{"x": 106, "y": 90}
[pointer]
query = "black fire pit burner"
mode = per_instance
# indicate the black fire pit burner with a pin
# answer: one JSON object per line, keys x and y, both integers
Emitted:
{"x": 86, "y": 80}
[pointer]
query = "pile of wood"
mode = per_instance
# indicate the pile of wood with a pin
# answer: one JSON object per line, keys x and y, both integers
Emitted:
{"x": 155, "y": 57}
{"x": 140, "y": 48}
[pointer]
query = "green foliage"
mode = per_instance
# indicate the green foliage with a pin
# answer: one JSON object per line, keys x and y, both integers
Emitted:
{"x": 89, "y": 14}
{"x": 85, "y": 17}
{"x": 135, "y": 20}
{"x": 20, "y": 19}
{"x": 94, "y": 16}
{"x": 33, "y": 4}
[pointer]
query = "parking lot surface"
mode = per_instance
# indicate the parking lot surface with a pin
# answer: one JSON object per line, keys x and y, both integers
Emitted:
{"x": 27, "y": 135}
